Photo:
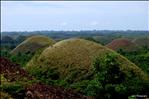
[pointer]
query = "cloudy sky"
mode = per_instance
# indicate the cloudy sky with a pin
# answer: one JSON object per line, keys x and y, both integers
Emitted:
{"x": 74, "y": 15}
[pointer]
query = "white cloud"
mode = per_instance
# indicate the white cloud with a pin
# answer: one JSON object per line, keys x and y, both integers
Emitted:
{"x": 63, "y": 23}
{"x": 94, "y": 23}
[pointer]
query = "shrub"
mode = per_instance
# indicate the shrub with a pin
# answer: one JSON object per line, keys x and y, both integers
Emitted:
{"x": 116, "y": 84}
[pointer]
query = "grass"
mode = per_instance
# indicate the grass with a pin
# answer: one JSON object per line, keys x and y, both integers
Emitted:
{"x": 72, "y": 59}
{"x": 32, "y": 44}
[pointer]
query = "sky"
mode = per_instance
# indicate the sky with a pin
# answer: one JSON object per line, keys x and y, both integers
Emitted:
{"x": 74, "y": 15}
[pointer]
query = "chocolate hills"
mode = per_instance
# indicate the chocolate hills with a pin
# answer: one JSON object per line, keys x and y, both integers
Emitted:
{"x": 75, "y": 57}
{"x": 122, "y": 43}
{"x": 32, "y": 44}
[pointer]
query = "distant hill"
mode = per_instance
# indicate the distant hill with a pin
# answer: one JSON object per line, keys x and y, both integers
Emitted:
{"x": 7, "y": 39}
{"x": 122, "y": 43}
{"x": 32, "y": 44}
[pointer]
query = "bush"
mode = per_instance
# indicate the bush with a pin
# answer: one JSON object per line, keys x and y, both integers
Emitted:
{"x": 5, "y": 95}
{"x": 20, "y": 58}
{"x": 114, "y": 82}
{"x": 139, "y": 57}
{"x": 107, "y": 80}
{"x": 16, "y": 88}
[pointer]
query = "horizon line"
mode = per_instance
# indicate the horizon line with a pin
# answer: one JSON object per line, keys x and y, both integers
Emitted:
{"x": 74, "y": 30}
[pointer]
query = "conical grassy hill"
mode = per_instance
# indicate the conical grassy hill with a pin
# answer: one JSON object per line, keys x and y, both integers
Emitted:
{"x": 32, "y": 44}
{"x": 75, "y": 57}
{"x": 122, "y": 43}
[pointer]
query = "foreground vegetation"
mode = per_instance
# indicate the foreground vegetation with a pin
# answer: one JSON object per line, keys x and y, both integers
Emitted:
{"x": 139, "y": 57}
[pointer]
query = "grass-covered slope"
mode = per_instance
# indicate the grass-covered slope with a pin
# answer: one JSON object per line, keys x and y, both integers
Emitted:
{"x": 123, "y": 44}
{"x": 32, "y": 44}
{"x": 75, "y": 57}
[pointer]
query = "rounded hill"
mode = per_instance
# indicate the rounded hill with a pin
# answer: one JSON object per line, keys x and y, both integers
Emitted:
{"x": 32, "y": 44}
{"x": 122, "y": 43}
{"x": 75, "y": 57}
{"x": 7, "y": 39}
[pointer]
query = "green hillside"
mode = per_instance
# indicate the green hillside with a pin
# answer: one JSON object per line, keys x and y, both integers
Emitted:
{"x": 76, "y": 56}
{"x": 32, "y": 44}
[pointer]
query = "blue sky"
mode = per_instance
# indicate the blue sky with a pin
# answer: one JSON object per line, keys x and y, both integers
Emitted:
{"x": 74, "y": 15}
